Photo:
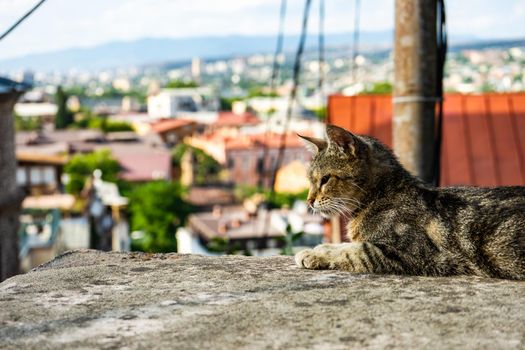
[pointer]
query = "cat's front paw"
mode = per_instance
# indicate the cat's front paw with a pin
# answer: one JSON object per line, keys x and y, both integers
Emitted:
{"x": 311, "y": 259}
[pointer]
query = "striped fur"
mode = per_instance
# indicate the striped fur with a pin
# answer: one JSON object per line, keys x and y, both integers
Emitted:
{"x": 400, "y": 225}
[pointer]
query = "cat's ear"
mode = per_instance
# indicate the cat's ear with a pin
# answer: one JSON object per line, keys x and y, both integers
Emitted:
{"x": 344, "y": 139}
{"x": 314, "y": 145}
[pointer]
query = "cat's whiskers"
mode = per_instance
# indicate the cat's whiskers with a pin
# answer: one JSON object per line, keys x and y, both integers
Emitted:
{"x": 351, "y": 201}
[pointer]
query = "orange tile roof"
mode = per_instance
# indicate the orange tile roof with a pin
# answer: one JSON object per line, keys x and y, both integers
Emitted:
{"x": 165, "y": 125}
{"x": 41, "y": 158}
{"x": 483, "y": 135}
{"x": 272, "y": 140}
{"x": 232, "y": 119}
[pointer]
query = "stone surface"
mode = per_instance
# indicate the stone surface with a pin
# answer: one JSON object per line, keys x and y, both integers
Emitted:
{"x": 89, "y": 299}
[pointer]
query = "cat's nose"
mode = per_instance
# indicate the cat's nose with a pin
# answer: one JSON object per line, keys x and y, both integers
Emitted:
{"x": 310, "y": 201}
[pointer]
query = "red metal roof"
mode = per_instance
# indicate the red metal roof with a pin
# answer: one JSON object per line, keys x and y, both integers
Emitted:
{"x": 483, "y": 135}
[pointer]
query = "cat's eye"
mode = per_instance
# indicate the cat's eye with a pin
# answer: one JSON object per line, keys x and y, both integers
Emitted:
{"x": 324, "y": 180}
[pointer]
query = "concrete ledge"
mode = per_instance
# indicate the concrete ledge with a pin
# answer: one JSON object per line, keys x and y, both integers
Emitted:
{"x": 89, "y": 299}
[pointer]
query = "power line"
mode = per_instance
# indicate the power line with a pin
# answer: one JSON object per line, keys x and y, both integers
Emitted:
{"x": 321, "y": 52}
{"x": 291, "y": 100}
{"x": 293, "y": 94}
{"x": 17, "y": 23}
{"x": 263, "y": 172}
{"x": 279, "y": 47}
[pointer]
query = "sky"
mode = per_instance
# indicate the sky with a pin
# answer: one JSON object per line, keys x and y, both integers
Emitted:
{"x": 60, "y": 24}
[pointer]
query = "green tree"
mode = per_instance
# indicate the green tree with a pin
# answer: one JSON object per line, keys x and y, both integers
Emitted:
{"x": 257, "y": 91}
{"x": 320, "y": 113}
{"x": 157, "y": 209}
{"x": 178, "y": 84}
{"x": 27, "y": 123}
{"x": 226, "y": 103}
{"x": 379, "y": 88}
{"x": 278, "y": 200}
{"x": 81, "y": 166}
{"x": 63, "y": 117}
{"x": 288, "y": 240}
{"x": 206, "y": 167}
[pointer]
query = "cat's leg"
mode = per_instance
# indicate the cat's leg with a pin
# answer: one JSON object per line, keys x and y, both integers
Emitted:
{"x": 356, "y": 257}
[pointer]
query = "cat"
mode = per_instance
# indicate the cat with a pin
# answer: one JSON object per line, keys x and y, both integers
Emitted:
{"x": 400, "y": 225}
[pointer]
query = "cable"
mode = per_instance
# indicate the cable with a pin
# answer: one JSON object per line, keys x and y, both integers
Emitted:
{"x": 21, "y": 19}
{"x": 441, "y": 46}
{"x": 293, "y": 94}
{"x": 291, "y": 100}
{"x": 279, "y": 48}
{"x": 263, "y": 172}
{"x": 320, "y": 86}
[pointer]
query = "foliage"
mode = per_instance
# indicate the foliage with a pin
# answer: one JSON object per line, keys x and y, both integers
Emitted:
{"x": 242, "y": 192}
{"x": 27, "y": 123}
{"x": 157, "y": 209}
{"x": 285, "y": 199}
{"x": 226, "y": 103}
{"x": 81, "y": 166}
{"x": 63, "y": 117}
{"x": 108, "y": 125}
{"x": 179, "y": 84}
{"x": 222, "y": 245}
{"x": 260, "y": 92}
{"x": 289, "y": 240}
{"x": 487, "y": 87}
{"x": 140, "y": 94}
{"x": 86, "y": 119}
{"x": 76, "y": 90}
{"x": 206, "y": 168}
{"x": 320, "y": 113}
{"x": 278, "y": 200}
{"x": 380, "y": 88}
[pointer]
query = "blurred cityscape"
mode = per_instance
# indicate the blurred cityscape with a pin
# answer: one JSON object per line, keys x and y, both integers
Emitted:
{"x": 184, "y": 156}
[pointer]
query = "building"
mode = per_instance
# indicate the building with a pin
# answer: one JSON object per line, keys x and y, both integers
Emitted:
{"x": 250, "y": 159}
{"x": 140, "y": 160}
{"x": 40, "y": 174}
{"x": 173, "y": 131}
{"x": 169, "y": 103}
{"x": 259, "y": 232}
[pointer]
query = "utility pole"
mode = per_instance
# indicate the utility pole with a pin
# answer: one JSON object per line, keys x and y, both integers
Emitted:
{"x": 415, "y": 55}
{"x": 10, "y": 194}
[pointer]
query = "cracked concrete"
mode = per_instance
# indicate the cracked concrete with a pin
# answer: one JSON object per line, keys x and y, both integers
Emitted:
{"x": 89, "y": 299}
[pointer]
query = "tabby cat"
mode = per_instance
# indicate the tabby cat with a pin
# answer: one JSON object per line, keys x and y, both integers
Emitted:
{"x": 400, "y": 225}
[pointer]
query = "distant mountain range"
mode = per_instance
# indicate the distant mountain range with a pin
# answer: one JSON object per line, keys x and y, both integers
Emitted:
{"x": 165, "y": 50}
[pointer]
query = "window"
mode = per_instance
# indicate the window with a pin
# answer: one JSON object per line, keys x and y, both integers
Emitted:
{"x": 21, "y": 176}
{"x": 245, "y": 163}
{"x": 35, "y": 175}
{"x": 48, "y": 175}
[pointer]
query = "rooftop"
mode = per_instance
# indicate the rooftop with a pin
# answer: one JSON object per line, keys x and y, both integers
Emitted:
{"x": 271, "y": 140}
{"x": 139, "y": 158}
{"x": 170, "y": 124}
{"x": 90, "y": 299}
{"x": 237, "y": 120}
{"x": 483, "y": 135}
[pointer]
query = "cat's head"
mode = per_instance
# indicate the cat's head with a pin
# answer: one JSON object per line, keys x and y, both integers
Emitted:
{"x": 340, "y": 171}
